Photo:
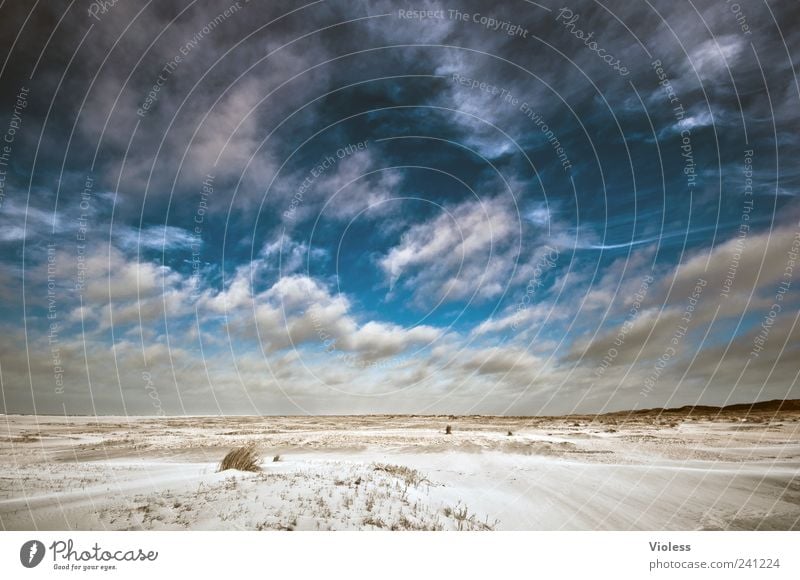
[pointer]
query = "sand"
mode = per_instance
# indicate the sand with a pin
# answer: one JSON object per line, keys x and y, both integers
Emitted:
{"x": 617, "y": 472}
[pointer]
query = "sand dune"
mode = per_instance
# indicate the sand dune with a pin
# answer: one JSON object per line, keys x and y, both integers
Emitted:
{"x": 691, "y": 468}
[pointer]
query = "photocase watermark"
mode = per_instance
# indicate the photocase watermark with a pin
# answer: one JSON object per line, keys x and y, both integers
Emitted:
{"x": 320, "y": 168}
{"x": 152, "y": 392}
{"x": 183, "y": 52}
{"x": 206, "y": 191}
{"x": 677, "y": 337}
{"x": 548, "y": 133}
{"x": 568, "y": 19}
{"x": 565, "y": 16}
{"x": 82, "y": 232}
{"x": 546, "y": 262}
{"x": 736, "y": 9}
{"x": 52, "y": 289}
{"x": 67, "y": 557}
{"x": 31, "y": 553}
{"x": 744, "y": 226}
{"x": 619, "y": 340}
{"x": 53, "y": 328}
{"x": 792, "y": 258}
{"x": 679, "y": 114}
{"x": 101, "y": 8}
{"x": 6, "y": 147}
{"x": 526, "y": 109}
{"x": 487, "y": 22}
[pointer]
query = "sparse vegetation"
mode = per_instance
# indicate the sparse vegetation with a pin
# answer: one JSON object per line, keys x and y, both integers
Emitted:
{"x": 373, "y": 521}
{"x": 370, "y": 472}
{"x": 408, "y": 475}
{"x": 467, "y": 521}
{"x": 243, "y": 458}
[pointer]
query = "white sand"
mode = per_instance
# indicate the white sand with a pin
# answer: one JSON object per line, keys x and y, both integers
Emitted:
{"x": 400, "y": 473}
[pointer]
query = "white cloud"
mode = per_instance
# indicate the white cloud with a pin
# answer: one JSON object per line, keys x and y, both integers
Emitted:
{"x": 465, "y": 250}
{"x": 155, "y": 237}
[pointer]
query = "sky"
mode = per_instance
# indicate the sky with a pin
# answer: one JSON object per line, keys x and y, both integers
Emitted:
{"x": 515, "y": 207}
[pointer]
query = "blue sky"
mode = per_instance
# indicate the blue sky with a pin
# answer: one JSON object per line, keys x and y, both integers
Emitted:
{"x": 217, "y": 207}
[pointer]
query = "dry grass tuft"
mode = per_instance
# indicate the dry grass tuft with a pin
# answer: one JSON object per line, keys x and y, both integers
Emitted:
{"x": 373, "y": 521}
{"x": 242, "y": 458}
{"x": 466, "y": 521}
{"x": 408, "y": 475}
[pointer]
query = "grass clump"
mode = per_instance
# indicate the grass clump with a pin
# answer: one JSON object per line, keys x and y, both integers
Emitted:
{"x": 243, "y": 458}
{"x": 410, "y": 476}
{"x": 466, "y": 521}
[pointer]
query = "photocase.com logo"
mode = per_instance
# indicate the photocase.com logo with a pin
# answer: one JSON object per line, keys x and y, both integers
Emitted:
{"x": 31, "y": 553}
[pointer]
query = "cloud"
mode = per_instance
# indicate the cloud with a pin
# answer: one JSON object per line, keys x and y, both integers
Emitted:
{"x": 19, "y": 223}
{"x": 155, "y": 237}
{"x": 740, "y": 278}
{"x": 299, "y": 310}
{"x": 259, "y": 323}
{"x": 464, "y": 251}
